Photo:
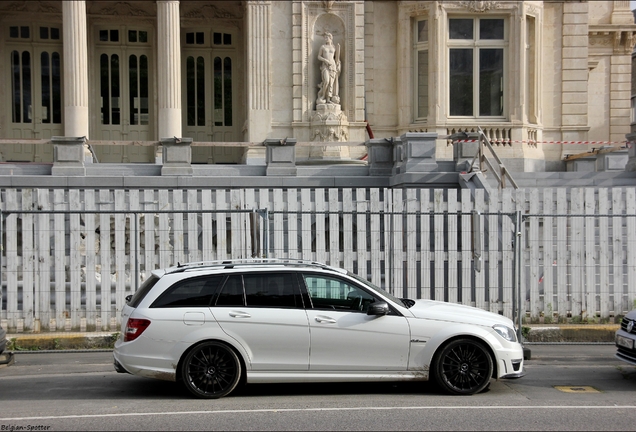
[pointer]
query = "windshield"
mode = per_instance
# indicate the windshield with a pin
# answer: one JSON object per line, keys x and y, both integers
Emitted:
{"x": 406, "y": 302}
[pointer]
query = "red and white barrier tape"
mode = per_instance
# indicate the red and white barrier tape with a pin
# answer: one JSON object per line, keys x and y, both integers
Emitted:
{"x": 627, "y": 143}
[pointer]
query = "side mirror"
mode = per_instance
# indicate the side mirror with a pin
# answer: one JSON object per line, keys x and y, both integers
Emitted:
{"x": 378, "y": 308}
{"x": 128, "y": 297}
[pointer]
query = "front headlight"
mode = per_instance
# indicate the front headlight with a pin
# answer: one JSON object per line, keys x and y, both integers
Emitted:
{"x": 505, "y": 332}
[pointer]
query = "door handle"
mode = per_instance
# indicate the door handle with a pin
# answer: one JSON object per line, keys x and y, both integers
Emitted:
{"x": 240, "y": 315}
{"x": 325, "y": 320}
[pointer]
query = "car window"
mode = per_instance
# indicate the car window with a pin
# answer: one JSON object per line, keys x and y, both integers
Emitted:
{"x": 260, "y": 290}
{"x": 332, "y": 293}
{"x": 195, "y": 292}
{"x": 271, "y": 290}
{"x": 232, "y": 292}
{"x": 144, "y": 289}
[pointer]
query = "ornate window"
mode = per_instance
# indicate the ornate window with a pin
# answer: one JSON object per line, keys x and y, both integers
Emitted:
{"x": 476, "y": 67}
{"x": 421, "y": 69}
{"x": 35, "y": 64}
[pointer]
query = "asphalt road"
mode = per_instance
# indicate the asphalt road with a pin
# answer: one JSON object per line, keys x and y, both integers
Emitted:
{"x": 81, "y": 391}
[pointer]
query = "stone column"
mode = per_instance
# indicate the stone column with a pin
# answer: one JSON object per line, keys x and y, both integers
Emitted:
{"x": 75, "y": 69}
{"x": 168, "y": 69}
{"x": 258, "y": 36}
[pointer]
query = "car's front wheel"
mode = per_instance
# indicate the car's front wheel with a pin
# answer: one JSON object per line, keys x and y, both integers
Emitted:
{"x": 211, "y": 370}
{"x": 463, "y": 367}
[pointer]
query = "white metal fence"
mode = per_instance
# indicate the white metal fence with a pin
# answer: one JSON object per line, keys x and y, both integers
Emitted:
{"x": 70, "y": 257}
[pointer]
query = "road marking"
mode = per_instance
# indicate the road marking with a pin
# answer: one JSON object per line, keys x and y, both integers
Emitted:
{"x": 280, "y": 410}
{"x": 576, "y": 389}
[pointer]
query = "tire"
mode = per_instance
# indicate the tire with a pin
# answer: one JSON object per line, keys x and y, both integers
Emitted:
{"x": 463, "y": 367}
{"x": 211, "y": 370}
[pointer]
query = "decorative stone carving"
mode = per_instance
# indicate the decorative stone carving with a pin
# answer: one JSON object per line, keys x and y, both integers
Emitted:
{"x": 480, "y": 6}
{"x": 120, "y": 9}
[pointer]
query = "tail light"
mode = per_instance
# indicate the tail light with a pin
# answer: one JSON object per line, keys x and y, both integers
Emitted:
{"x": 134, "y": 328}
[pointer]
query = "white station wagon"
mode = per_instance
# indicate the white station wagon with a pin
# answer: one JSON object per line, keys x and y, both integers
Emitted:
{"x": 213, "y": 325}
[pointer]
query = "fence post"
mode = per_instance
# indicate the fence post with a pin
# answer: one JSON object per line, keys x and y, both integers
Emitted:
{"x": 516, "y": 288}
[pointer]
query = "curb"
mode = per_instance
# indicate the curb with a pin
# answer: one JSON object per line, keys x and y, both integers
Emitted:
{"x": 584, "y": 333}
{"x": 58, "y": 341}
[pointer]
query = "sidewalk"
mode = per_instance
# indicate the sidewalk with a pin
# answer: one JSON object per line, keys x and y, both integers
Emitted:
{"x": 564, "y": 333}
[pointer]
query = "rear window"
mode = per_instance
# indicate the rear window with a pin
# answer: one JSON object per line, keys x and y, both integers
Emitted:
{"x": 195, "y": 292}
{"x": 144, "y": 289}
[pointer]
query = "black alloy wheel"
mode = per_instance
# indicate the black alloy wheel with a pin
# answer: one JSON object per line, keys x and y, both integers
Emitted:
{"x": 211, "y": 370}
{"x": 463, "y": 367}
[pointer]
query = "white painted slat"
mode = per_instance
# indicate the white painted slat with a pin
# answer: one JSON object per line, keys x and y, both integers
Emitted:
{"x": 395, "y": 244}
{"x": 12, "y": 233}
{"x": 508, "y": 239}
{"x": 195, "y": 229}
{"x": 90, "y": 253}
{"x": 165, "y": 248}
{"x": 362, "y": 216}
{"x": 617, "y": 255}
{"x": 376, "y": 253}
{"x": 535, "y": 306}
{"x": 148, "y": 230}
{"x": 75, "y": 260}
{"x": 239, "y": 226}
{"x": 519, "y": 206}
{"x": 591, "y": 256}
{"x": 121, "y": 276}
{"x": 178, "y": 238}
{"x": 466, "y": 252}
{"x": 321, "y": 227}
{"x": 28, "y": 259}
{"x": 105, "y": 203}
{"x": 334, "y": 227}
{"x": 603, "y": 290}
{"x": 348, "y": 254}
{"x": 438, "y": 233}
{"x": 306, "y": 204}
{"x": 254, "y": 237}
{"x": 480, "y": 278}
{"x": 425, "y": 240}
{"x": 577, "y": 243}
{"x": 220, "y": 206}
{"x": 134, "y": 240}
{"x": 210, "y": 218}
{"x": 265, "y": 204}
{"x": 43, "y": 260}
{"x": 278, "y": 210}
{"x": 453, "y": 246}
{"x": 412, "y": 207}
{"x": 493, "y": 284}
{"x": 547, "y": 272}
{"x": 564, "y": 265}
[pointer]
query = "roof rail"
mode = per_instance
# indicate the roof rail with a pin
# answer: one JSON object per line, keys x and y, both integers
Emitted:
{"x": 232, "y": 263}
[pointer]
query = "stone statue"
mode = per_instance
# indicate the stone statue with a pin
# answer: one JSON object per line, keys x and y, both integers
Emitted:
{"x": 329, "y": 56}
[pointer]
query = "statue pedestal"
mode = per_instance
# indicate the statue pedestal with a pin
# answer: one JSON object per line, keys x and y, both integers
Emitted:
{"x": 329, "y": 124}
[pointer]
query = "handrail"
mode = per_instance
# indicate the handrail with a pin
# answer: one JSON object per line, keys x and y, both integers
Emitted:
{"x": 482, "y": 158}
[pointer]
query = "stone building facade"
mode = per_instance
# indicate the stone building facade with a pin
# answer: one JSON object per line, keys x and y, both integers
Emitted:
{"x": 535, "y": 75}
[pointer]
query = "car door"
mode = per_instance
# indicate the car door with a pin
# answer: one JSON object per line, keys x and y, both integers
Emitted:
{"x": 265, "y": 313}
{"x": 343, "y": 337}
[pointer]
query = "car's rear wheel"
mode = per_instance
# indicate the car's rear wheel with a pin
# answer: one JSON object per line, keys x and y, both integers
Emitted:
{"x": 463, "y": 367}
{"x": 211, "y": 370}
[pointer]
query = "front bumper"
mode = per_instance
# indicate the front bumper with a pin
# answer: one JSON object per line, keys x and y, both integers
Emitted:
{"x": 624, "y": 353}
